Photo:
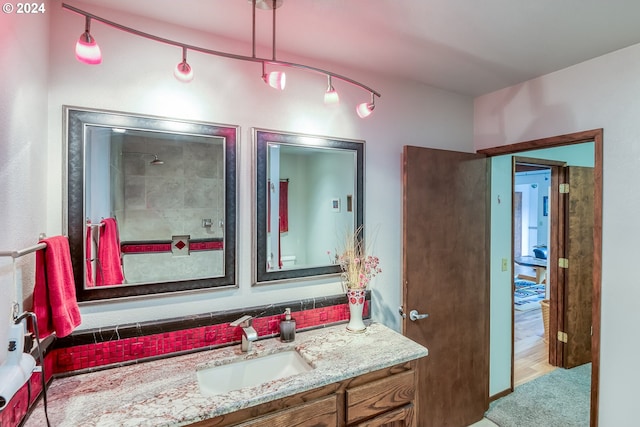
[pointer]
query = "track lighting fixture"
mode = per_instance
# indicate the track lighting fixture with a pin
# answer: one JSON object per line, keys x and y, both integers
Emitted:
{"x": 267, "y": 4}
{"x": 331, "y": 96}
{"x": 275, "y": 79}
{"x": 366, "y": 108}
{"x": 87, "y": 50}
{"x": 183, "y": 71}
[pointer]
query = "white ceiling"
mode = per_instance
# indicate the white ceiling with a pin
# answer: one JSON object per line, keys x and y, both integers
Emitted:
{"x": 467, "y": 46}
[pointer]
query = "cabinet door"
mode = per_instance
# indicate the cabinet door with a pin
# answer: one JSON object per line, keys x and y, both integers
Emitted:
{"x": 319, "y": 413}
{"x": 380, "y": 397}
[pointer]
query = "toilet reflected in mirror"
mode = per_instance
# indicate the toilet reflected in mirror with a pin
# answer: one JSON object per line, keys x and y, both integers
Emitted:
{"x": 288, "y": 261}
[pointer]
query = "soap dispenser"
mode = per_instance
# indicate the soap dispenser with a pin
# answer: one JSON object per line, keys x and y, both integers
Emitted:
{"x": 287, "y": 327}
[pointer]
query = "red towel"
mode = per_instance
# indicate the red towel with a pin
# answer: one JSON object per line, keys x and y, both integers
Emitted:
{"x": 284, "y": 206}
{"x": 109, "y": 265}
{"x": 88, "y": 281}
{"x": 54, "y": 293}
{"x": 283, "y": 203}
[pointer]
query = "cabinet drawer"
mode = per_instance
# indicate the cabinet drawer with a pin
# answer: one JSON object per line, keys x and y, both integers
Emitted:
{"x": 380, "y": 396}
{"x": 403, "y": 415}
{"x": 318, "y": 413}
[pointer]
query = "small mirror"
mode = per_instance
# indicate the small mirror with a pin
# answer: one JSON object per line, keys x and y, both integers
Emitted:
{"x": 309, "y": 196}
{"x": 151, "y": 204}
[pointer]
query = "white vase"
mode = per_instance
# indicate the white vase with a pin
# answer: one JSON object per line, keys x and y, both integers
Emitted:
{"x": 356, "y": 305}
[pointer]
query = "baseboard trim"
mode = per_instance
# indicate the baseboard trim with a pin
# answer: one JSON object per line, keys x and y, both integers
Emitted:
{"x": 501, "y": 394}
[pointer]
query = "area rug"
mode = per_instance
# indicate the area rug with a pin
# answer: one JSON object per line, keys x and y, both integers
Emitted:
{"x": 520, "y": 283}
{"x": 527, "y": 298}
{"x": 560, "y": 398}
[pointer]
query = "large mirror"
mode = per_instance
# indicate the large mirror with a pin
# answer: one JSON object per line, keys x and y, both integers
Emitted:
{"x": 151, "y": 204}
{"x": 309, "y": 197}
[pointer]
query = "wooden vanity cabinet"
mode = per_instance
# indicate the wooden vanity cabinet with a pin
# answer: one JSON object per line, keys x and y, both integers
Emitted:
{"x": 383, "y": 398}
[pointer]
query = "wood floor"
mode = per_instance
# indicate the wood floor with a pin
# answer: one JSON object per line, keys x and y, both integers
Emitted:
{"x": 531, "y": 356}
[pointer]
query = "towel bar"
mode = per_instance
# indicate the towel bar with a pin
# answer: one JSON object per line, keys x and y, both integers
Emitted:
{"x": 25, "y": 251}
{"x": 17, "y": 306}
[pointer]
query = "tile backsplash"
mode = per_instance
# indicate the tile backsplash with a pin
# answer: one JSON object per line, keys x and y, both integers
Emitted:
{"x": 19, "y": 405}
{"x": 98, "y": 349}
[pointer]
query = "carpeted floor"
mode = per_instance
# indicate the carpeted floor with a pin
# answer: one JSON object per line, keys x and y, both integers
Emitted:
{"x": 558, "y": 399}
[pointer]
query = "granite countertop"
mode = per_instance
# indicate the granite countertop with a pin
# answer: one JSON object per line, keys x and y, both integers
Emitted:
{"x": 165, "y": 392}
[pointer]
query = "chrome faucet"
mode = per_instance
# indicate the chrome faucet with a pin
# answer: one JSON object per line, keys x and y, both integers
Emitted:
{"x": 248, "y": 333}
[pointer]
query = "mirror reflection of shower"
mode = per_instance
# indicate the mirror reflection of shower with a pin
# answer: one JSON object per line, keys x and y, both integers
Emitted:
{"x": 155, "y": 162}
{"x": 118, "y": 178}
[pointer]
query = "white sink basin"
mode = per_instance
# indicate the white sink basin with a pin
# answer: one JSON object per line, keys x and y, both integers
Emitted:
{"x": 250, "y": 372}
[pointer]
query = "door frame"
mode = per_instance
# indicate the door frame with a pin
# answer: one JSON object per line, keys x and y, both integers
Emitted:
{"x": 554, "y": 166}
{"x": 595, "y": 136}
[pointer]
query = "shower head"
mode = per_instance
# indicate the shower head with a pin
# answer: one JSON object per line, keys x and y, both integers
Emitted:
{"x": 156, "y": 161}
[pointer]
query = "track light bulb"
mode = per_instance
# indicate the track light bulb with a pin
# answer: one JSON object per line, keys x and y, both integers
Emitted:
{"x": 275, "y": 79}
{"x": 331, "y": 96}
{"x": 183, "y": 72}
{"x": 87, "y": 50}
{"x": 365, "y": 109}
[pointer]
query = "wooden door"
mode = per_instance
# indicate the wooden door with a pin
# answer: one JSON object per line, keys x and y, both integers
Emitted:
{"x": 445, "y": 272}
{"x": 572, "y": 300}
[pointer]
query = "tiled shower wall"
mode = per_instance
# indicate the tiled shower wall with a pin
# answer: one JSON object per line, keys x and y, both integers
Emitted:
{"x": 156, "y": 202}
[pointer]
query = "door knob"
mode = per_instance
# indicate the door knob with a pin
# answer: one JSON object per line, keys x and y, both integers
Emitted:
{"x": 414, "y": 315}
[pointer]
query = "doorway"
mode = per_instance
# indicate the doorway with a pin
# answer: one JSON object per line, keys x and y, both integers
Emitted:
{"x": 531, "y": 288}
{"x": 596, "y": 138}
